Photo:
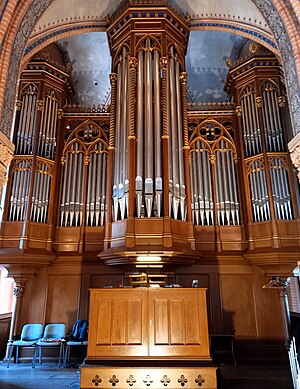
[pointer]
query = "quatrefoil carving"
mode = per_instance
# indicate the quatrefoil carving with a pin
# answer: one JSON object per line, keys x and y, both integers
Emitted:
{"x": 165, "y": 380}
{"x": 131, "y": 380}
{"x": 182, "y": 380}
{"x": 148, "y": 381}
{"x": 96, "y": 380}
{"x": 114, "y": 380}
{"x": 199, "y": 380}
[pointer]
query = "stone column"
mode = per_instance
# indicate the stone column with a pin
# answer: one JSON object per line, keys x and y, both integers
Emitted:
{"x": 294, "y": 149}
{"x": 19, "y": 290}
{"x": 6, "y": 156}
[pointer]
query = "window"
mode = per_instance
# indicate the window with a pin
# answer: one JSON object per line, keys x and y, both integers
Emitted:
{"x": 6, "y": 292}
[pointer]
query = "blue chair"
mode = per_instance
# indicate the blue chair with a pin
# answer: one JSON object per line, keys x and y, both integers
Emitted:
{"x": 53, "y": 337}
{"x": 30, "y": 334}
{"x": 69, "y": 345}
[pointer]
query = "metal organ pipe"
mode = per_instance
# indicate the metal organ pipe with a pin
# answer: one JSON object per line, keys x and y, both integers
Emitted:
{"x": 174, "y": 136}
{"x": 245, "y": 128}
{"x": 117, "y": 142}
{"x": 157, "y": 136}
{"x": 193, "y": 189}
{"x": 199, "y": 181}
{"x": 103, "y": 189}
{"x": 63, "y": 190}
{"x": 170, "y": 170}
{"x": 140, "y": 135}
{"x": 148, "y": 130}
{"x": 79, "y": 191}
{"x": 180, "y": 143}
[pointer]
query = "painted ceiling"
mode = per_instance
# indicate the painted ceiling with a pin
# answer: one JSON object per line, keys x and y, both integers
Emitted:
{"x": 206, "y": 54}
{"x": 75, "y": 10}
{"x": 205, "y": 64}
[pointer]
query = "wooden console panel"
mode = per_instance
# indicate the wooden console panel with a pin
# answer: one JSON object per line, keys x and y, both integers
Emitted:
{"x": 148, "y": 338}
{"x": 148, "y": 323}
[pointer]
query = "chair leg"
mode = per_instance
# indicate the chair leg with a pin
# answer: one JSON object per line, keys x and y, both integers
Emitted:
{"x": 17, "y": 354}
{"x": 10, "y": 354}
{"x": 40, "y": 355}
{"x": 67, "y": 356}
{"x": 61, "y": 357}
{"x": 34, "y": 357}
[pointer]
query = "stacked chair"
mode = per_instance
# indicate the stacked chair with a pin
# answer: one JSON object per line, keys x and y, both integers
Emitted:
{"x": 30, "y": 335}
{"x": 53, "y": 337}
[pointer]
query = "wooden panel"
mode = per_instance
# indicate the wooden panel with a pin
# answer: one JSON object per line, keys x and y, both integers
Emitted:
{"x": 179, "y": 326}
{"x": 118, "y": 323}
{"x": 5, "y": 320}
{"x": 138, "y": 377}
{"x": 238, "y": 305}
{"x": 62, "y": 302}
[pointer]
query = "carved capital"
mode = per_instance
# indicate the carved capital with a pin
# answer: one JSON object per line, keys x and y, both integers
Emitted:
{"x": 113, "y": 77}
{"x": 164, "y": 62}
{"x": 19, "y": 291}
{"x": 132, "y": 62}
{"x": 18, "y": 105}
{"x": 60, "y": 113}
{"x": 40, "y": 105}
{"x": 238, "y": 110}
{"x": 281, "y": 101}
{"x": 212, "y": 159}
{"x": 183, "y": 77}
{"x": 259, "y": 102}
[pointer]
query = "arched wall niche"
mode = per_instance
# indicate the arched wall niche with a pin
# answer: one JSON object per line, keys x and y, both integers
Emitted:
{"x": 38, "y": 7}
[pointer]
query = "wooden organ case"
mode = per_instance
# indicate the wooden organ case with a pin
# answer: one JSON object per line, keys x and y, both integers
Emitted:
{"x": 148, "y": 337}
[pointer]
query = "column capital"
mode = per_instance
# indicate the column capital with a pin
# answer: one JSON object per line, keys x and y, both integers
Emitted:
{"x": 163, "y": 62}
{"x": 19, "y": 290}
{"x": 113, "y": 77}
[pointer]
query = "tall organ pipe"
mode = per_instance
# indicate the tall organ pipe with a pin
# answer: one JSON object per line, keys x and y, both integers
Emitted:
{"x": 157, "y": 116}
{"x": 148, "y": 113}
{"x": 180, "y": 142}
{"x": 139, "y": 116}
{"x": 157, "y": 135}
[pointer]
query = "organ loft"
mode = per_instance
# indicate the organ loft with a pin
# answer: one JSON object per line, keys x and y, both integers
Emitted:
{"x": 155, "y": 184}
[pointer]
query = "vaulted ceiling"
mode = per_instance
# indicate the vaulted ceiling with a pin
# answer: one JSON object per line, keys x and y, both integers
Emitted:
{"x": 206, "y": 55}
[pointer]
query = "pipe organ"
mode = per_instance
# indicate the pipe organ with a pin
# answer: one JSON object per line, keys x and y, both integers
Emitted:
{"x": 35, "y": 138}
{"x": 83, "y": 190}
{"x": 150, "y": 173}
{"x": 147, "y": 86}
{"x": 213, "y": 157}
{"x": 205, "y": 189}
{"x": 260, "y": 102}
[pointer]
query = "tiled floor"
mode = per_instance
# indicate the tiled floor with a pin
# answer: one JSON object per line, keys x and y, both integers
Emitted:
{"x": 48, "y": 376}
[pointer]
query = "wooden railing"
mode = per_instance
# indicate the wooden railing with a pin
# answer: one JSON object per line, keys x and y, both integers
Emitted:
{"x": 293, "y": 356}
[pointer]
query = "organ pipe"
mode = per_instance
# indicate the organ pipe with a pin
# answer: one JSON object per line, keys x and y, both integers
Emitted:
{"x": 118, "y": 140}
{"x": 140, "y": 135}
{"x": 27, "y": 120}
{"x": 157, "y": 136}
{"x": 148, "y": 130}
